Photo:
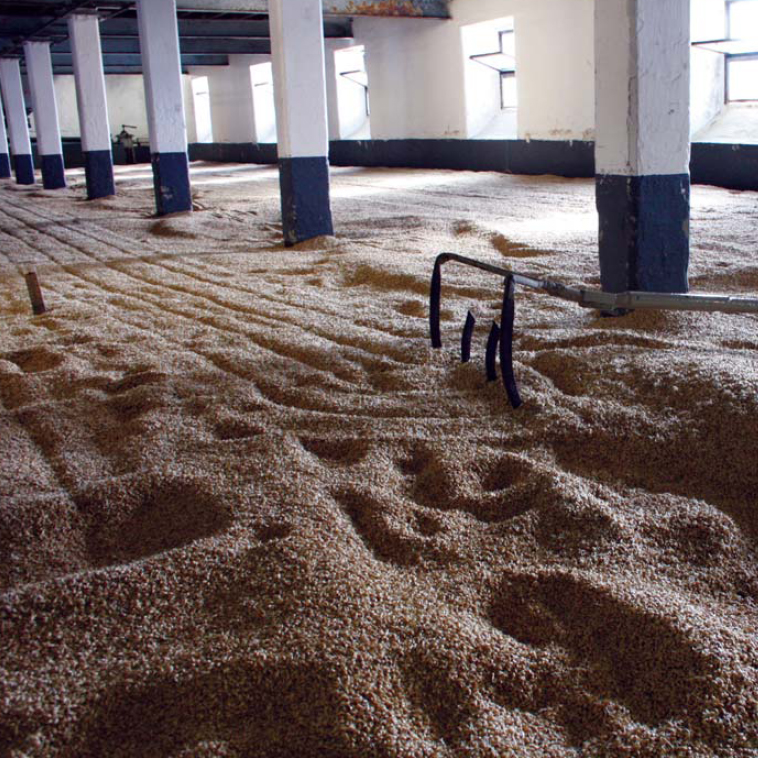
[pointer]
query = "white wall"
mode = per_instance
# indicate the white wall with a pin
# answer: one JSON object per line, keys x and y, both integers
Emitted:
{"x": 198, "y": 103}
{"x": 231, "y": 98}
{"x": 706, "y": 88}
{"x": 262, "y": 81}
{"x": 189, "y": 110}
{"x": 418, "y": 85}
{"x": 126, "y": 105}
{"x": 415, "y": 76}
{"x": 555, "y": 62}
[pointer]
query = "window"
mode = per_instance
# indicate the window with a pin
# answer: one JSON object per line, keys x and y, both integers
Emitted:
{"x": 504, "y": 62}
{"x": 202, "y": 103}
{"x": 735, "y": 36}
{"x": 264, "y": 110}
{"x": 489, "y": 68}
{"x": 353, "y": 106}
{"x": 351, "y": 65}
{"x": 742, "y": 19}
{"x": 742, "y": 78}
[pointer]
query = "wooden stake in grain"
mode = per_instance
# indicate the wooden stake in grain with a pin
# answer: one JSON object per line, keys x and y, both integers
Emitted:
{"x": 35, "y": 293}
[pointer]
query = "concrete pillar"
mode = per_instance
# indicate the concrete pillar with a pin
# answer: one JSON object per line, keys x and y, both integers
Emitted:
{"x": 91, "y": 103}
{"x": 39, "y": 68}
{"x": 161, "y": 64}
{"x": 5, "y": 158}
{"x": 642, "y": 148}
{"x": 18, "y": 127}
{"x": 297, "y": 47}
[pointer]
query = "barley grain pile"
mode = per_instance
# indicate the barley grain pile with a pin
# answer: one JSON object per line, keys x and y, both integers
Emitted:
{"x": 246, "y": 510}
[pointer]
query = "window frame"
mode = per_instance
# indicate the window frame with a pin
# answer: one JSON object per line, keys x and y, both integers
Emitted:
{"x": 722, "y": 46}
{"x": 730, "y": 57}
{"x": 505, "y": 73}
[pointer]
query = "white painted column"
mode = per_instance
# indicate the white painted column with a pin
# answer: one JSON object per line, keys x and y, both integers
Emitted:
{"x": 161, "y": 63}
{"x": 39, "y": 68}
{"x": 297, "y": 48}
{"x": 84, "y": 33}
{"x": 642, "y": 148}
{"x": 18, "y": 126}
{"x": 5, "y": 158}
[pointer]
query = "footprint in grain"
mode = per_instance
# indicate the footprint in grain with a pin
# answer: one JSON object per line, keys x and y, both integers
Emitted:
{"x": 628, "y": 651}
{"x": 389, "y": 540}
{"x": 236, "y": 429}
{"x": 278, "y": 530}
{"x": 340, "y": 452}
{"x": 134, "y": 518}
{"x": 35, "y": 360}
{"x": 136, "y": 379}
{"x": 137, "y": 393}
{"x": 368, "y": 518}
{"x": 237, "y": 705}
{"x": 491, "y": 491}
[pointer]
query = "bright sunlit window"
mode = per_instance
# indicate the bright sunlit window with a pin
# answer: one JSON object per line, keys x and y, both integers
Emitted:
{"x": 742, "y": 19}
{"x": 504, "y": 62}
{"x": 742, "y": 78}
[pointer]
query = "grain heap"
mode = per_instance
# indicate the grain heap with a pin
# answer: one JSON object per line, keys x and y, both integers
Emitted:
{"x": 246, "y": 510}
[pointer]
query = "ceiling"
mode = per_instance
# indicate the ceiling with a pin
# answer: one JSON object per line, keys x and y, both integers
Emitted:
{"x": 209, "y": 30}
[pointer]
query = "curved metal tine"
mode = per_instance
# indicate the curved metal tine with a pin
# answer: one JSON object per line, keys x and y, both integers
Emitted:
{"x": 492, "y": 343}
{"x": 435, "y": 294}
{"x": 506, "y": 342}
{"x": 468, "y": 333}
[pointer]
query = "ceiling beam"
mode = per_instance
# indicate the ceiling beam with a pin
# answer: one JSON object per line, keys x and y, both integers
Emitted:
{"x": 241, "y": 46}
{"x": 135, "y": 59}
{"x": 109, "y": 71}
{"x": 412, "y": 8}
{"x": 223, "y": 28}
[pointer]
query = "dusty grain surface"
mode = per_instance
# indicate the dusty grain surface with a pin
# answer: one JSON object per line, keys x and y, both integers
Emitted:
{"x": 245, "y": 510}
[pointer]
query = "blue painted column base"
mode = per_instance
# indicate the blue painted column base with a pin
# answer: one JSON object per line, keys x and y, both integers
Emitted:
{"x": 98, "y": 171}
{"x": 52, "y": 171}
{"x": 306, "y": 212}
{"x": 172, "y": 183}
{"x": 5, "y": 166}
{"x": 23, "y": 166}
{"x": 644, "y": 232}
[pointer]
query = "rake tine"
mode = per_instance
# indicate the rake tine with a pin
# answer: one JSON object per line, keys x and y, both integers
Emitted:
{"x": 434, "y": 304}
{"x": 506, "y": 341}
{"x": 468, "y": 332}
{"x": 492, "y": 343}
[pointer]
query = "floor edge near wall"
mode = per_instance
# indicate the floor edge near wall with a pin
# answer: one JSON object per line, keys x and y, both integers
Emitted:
{"x": 733, "y": 166}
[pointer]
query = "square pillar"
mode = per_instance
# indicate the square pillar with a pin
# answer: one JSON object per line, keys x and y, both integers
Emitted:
{"x": 5, "y": 157}
{"x": 39, "y": 67}
{"x": 91, "y": 103}
{"x": 642, "y": 146}
{"x": 164, "y": 96}
{"x": 297, "y": 49}
{"x": 18, "y": 126}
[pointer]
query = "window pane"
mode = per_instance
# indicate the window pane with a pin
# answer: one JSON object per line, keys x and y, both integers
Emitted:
{"x": 508, "y": 43}
{"x": 708, "y": 20}
{"x": 743, "y": 19}
{"x": 509, "y": 90}
{"x": 743, "y": 79}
